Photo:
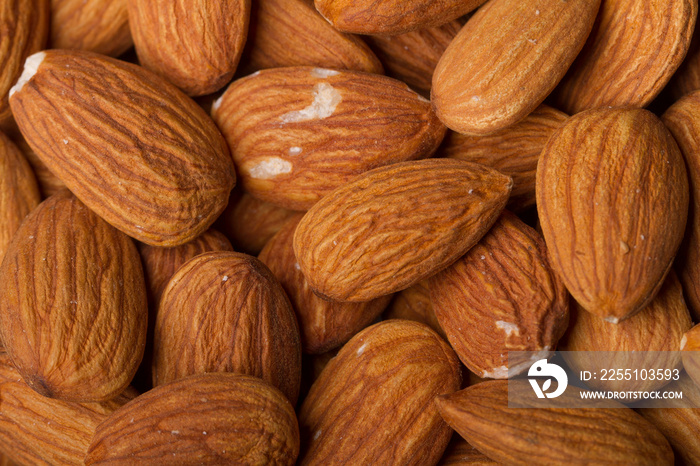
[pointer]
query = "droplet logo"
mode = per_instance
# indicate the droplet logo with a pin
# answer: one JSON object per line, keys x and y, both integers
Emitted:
{"x": 544, "y": 369}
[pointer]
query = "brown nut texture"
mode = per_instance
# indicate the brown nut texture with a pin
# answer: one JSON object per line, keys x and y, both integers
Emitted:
{"x": 690, "y": 347}
{"x": 414, "y": 303}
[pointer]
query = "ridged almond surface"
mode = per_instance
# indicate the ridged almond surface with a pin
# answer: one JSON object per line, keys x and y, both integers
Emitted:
{"x": 201, "y": 419}
{"x": 632, "y": 52}
{"x": 373, "y": 402}
{"x": 683, "y": 120}
{"x": 226, "y": 312}
{"x": 412, "y": 57}
{"x": 48, "y": 183}
{"x": 72, "y": 303}
{"x": 100, "y": 26}
{"x": 42, "y": 431}
{"x": 135, "y": 149}
{"x": 552, "y": 436}
{"x": 391, "y": 17}
{"x": 506, "y": 60}
{"x": 513, "y": 151}
{"x": 292, "y": 33}
{"x": 501, "y": 296}
{"x": 25, "y": 29}
{"x": 298, "y": 133}
{"x": 612, "y": 199}
{"x": 19, "y": 194}
{"x": 414, "y": 303}
{"x": 395, "y": 226}
{"x": 323, "y": 325}
{"x": 194, "y": 44}
{"x": 460, "y": 453}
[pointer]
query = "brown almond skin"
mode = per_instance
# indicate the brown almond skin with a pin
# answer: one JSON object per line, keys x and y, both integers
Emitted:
{"x": 612, "y": 199}
{"x": 25, "y": 26}
{"x": 513, "y": 151}
{"x": 100, "y": 26}
{"x": 19, "y": 194}
{"x": 412, "y": 57}
{"x": 690, "y": 347}
{"x": 162, "y": 181}
{"x": 513, "y": 436}
{"x": 392, "y": 17}
{"x": 39, "y": 430}
{"x": 194, "y": 44}
{"x": 226, "y": 312}
{"x": 292, "y": 33}
{"x": 48, "y": 183}
{"x": 397, "y": 225}
{"x": 506, "y": 59}
{"x": 201, "y": 419}
{"x": 460, "y": 453}
{"x": 683, "y": 120}
{"x": 501, "y": 296}
{"x": 70, "y": 275}
{"x": 414, "y": 303}
{"x": 686, "y": 79}
{"x": 292, "y": 158}
{"x": 632, "y": 52}
{"x": 377, "y": 394}
{"x": 324, "y": 325}
{"x": 658, "y": 327}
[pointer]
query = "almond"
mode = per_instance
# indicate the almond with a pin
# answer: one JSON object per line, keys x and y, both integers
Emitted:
{"x": 201, "y": 419}
{"x": 395, "y": 226}
{"x": 612, "y": 199}
{"x": 248, "y": 321}
{"x": 136, "y": 150}
{"x": 690, "y": 347}
{"x": 616, "y": 435}
{"x": 392, "y": 17}
{"x": 513, "y": 151}
{"x": 194, "y": 44}
{"x": 373, "y": 402}
{"x": 414, "y": 303}
{"x": 298, "y": 133}
{"x": 100, "y": 26}
{"x": 48, "y": 183}
{"x": 70, "y": 275}
{"x": 460, "y": 453}
{"x": 506, "y": 60}
{"x": 324, "y": 325}
{"x": 633, "y": 51}
{"x": 687, "y": 78}
{"x": 292, "y": 33}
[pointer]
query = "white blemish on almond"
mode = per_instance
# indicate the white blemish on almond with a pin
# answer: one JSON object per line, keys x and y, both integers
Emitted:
{"x": 31, "y": 65}
{"x": 612, "y": 319}
{"x": 217, "y": 103}
{"x": 296, "y": 266}
{"x": 317, "y": 434}
{"x": 225, "y": 278}
{"x": 684, "y": 341}
{"x": 508, "y": 327}
{"x": 326, "y": 99}
{"x": 497, "y": 373}
{"x": 361, "y": 349}
{"x": 323, "y": 73}
{"x": 270, "y": 168}
{"x": 294, "y": 150}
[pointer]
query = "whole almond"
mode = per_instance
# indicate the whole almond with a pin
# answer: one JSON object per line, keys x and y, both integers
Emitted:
{"x": 414, "y": 303}
{"x": 391, "y": 17}
{"x": 201, "y": 419}
{"x": 506, "y": 60}
{"x": 373, "y": 402}
{"x": 194, "y": 44}
{"x": 137, "y": 151}
{"x": 633, "y": 51}
{"x": 298, "y": 133}
{"x": 323, "y": 325}
{"x": 513, "y": 436}
{"x": 226, "y": 312}
{"x": 72, "y": 303}
{"x": 612, "y": 199}
{"x": 395, "y": 226}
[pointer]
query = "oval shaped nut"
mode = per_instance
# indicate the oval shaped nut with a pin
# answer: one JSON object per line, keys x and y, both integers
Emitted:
{"x": 395, "y": 226}
{"x": 25, "y": 26}
{"x": 194, "y": 44}
{"x": 414, "y": 303}
{"x": 242, "y": 309}
{"x": 98, "y": 26}
{"x": 298, "y": 133}
{"x": 514, "y": 151}
{"x": 136, "y": 151}
{"x": 292, "y": 33}
{"x": 201, "y": 419}
{"x": 506, "y": 60}
{"x": 19, "y": 194}
{"x": 501, "y": 296}
{"x": 514, "y": 436}
{"x": 391, "y": 17}
{"x": 324, "y": 325}
{"x": 387, "y": 375}
{"x": 70, "y": 275}
{"x": 612, "y": 199}
{"x": 633, "y": 51}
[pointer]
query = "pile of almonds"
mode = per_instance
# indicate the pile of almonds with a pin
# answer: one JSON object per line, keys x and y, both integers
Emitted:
{"x": 280, "y": 231}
